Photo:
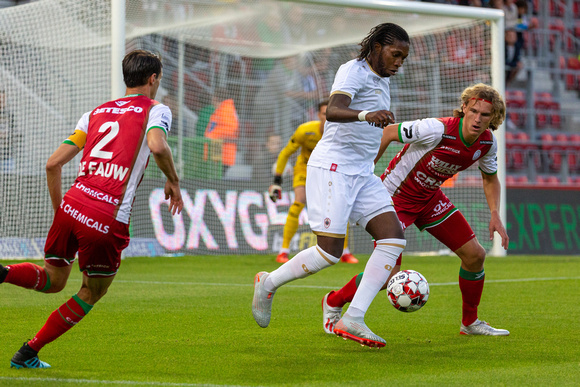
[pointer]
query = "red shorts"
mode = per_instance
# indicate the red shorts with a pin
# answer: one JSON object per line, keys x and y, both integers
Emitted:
{"x": 98, "y": 238}
{"x": 439, "y": 217}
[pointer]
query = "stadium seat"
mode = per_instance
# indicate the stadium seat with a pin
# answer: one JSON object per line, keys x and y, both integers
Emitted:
{"x": 516, "y": 104}
{"x": 553, "y": 151}
{"x": 574, "y": 152}
{"x": 515, "y": 152}
{"x": 573, "y": 75}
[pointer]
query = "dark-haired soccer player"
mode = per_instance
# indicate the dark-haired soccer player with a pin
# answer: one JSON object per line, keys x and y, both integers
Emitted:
{"x": 341, "y": 185}
{"x": 435, "y": 150}
{"x": 93, "y": 216}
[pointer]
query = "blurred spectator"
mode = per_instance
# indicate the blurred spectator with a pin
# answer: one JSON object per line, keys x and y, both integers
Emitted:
{"x": 513, "y": 63}
{"x": 223, "y": 128}
{"x": 8, "y": 136}
{"x": 284, "y": 97}
{"x": 524, "y": 22}
{"x": 264, "y": 161}
{"x": 203, "y": 116}
{"x": 189, "y": 118}
{"x": 510, "y": 10}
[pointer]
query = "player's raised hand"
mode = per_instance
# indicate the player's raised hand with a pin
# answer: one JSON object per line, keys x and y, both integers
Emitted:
{"x": 380, "y": 118}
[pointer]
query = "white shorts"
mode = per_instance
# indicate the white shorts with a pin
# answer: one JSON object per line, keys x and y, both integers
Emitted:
{"x": 334, "y": 199}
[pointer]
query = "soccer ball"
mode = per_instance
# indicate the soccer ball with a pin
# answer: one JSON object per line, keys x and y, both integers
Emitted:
{"x": 408, "y": 290}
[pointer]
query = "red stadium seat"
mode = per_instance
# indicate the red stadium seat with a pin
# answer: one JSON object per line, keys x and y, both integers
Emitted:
{"x": 573, "y": 77}
{"x": 573, "y": 151}
{"x": 553, "y": 151}
{"x": 516, "y": 105}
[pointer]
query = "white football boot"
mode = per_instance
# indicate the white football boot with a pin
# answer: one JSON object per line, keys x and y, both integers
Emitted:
{"x": 479, "y": 327}
{"x": 262, "y": 302}
{"x": 354, "y": 328}
{"x": 330, "y": 315}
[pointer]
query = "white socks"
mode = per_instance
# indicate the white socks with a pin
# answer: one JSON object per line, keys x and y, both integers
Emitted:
{"x": 377, "y": 270}
{"x": 306, "y": 262}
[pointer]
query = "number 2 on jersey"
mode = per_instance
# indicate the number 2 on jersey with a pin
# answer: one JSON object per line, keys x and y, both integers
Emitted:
{"x": 96, "y": 151}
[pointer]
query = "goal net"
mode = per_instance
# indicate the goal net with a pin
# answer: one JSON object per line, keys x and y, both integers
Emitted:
{"x": 239, "y": 77}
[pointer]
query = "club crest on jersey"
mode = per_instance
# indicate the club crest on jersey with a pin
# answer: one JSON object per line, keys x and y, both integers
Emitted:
{"x": 326, "y": 223}
{"x": 121, "y": 103}
{"x": 477, "y": 154}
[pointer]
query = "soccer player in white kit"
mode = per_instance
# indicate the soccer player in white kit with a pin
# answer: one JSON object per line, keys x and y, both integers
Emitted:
{"x": 341, "y": 185}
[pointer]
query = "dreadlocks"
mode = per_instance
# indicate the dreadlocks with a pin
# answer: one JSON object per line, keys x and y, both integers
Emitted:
{"x": 384, "y": 34}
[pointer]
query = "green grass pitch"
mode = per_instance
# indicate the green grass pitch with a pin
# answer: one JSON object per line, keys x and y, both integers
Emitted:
{"x": 187, "y": 321}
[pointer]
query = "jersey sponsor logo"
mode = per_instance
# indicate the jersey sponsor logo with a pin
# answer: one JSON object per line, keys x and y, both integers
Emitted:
{"x": 408, "y": 131}
{"x": 486, "y": 142}
{"x": 103, "y": 169}
{"x": 451, "y": 149}
{"x": 427, "y": 181}
{"x": 441, "y": 207}
{"x": 449, "y": 137}
{"x": 121, "y": 103}
{"x": 82, "y": 218}
{"x": 443, "y": 166}
{"x": 477, "y": 154}
{"x": 97, "y": 194}
{"x": 116, "y": 110}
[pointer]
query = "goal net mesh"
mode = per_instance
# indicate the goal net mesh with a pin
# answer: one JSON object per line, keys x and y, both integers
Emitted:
{"x": 239, "y": 77}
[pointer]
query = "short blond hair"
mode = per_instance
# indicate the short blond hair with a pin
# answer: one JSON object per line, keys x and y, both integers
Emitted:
{"x": 489, "y": 94}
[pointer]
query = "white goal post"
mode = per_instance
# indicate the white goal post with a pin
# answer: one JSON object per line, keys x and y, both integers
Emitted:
{"x": 263, "y": 65}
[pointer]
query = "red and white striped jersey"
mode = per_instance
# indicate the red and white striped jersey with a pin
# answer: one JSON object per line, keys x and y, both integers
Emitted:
{"x": 116, "y": 154}
{"x": 434, "y": 151}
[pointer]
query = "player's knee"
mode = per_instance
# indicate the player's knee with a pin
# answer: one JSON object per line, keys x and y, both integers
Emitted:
{"x": 474, "y": 261}
{"x": 56, "y": 285}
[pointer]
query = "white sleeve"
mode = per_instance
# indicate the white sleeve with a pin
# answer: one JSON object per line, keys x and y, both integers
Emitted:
{"x": 349, "y": 80}
{"x": 83, "y": 123}
{"x": 159, "y": 117}
{"x": 427, "y": 131}
{"x": 488, "y": 163}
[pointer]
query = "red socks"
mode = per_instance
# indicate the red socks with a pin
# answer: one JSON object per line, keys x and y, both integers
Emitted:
{"x": 471, "y": 286}
{"x": 29, "y": 276}
{"x": 340, "y": 297}
{"x": 61, "y": 320}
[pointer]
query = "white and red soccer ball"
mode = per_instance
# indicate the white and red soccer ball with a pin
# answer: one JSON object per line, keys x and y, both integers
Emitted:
{"x": 408, "y": 290}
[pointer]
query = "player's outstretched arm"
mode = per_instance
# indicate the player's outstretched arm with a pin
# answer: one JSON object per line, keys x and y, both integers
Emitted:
{"x": 492, "y": 190}
{"x": 162, "y": 153}
{"x": 62, "y": 155}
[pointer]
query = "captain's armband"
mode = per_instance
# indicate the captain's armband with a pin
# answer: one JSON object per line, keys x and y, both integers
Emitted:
{"x": 78, "y": 138}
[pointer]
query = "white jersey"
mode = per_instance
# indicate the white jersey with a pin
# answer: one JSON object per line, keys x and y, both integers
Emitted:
{"x": 351, "y": 147}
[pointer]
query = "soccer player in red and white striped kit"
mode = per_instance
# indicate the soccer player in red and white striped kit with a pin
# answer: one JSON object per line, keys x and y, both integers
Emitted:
{"x": 435, "y": 150}
{"x": 92, "y": 219}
